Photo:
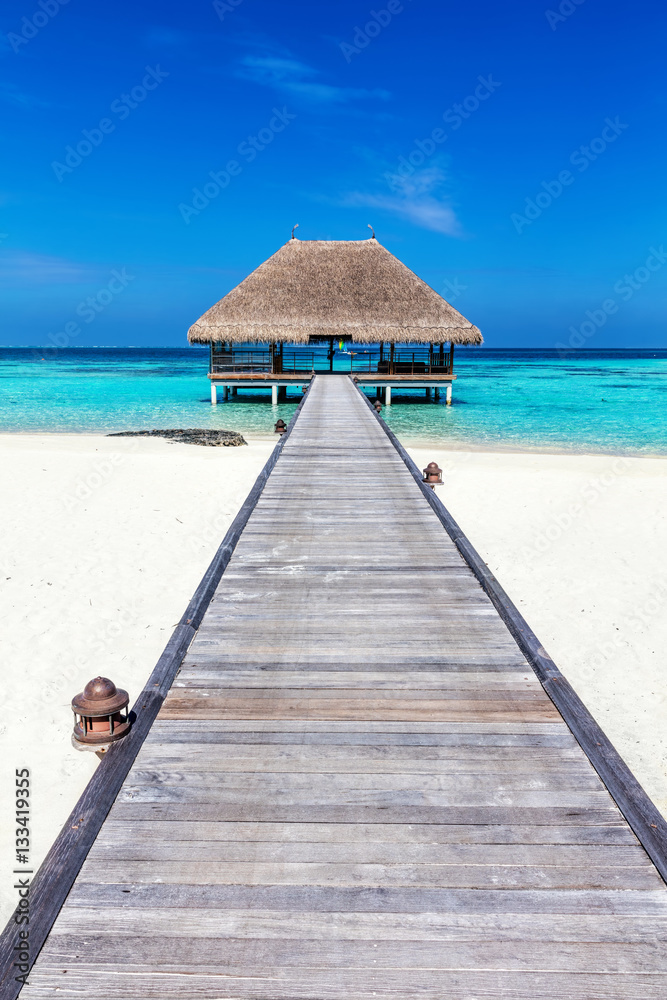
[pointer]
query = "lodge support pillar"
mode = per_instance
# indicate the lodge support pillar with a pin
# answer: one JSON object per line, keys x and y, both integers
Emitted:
{"x": 274, "y": 395}
{"x": 449, "y": 394}
{"x": 235, "y": 391}
{"x": 282, "y": 393}
{"x": 214, "y": 394}
{"x": 436, "y": 395}
{"x": 225, "y": 394}
{"x": 428, "y": 391}
{"x": 387, "y": 396}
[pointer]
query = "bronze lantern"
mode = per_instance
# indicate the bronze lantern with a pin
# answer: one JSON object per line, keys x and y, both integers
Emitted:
{"x": 280, "y": 427}
{"x": 432, "y": 475}
{"x": 100, "y": 713}
{"x": 378, "y": 406}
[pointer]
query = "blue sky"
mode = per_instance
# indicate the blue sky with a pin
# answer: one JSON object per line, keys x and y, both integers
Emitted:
{"x": 513, "y": 155}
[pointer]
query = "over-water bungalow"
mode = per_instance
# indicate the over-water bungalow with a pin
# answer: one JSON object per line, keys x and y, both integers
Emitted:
{"x": 321, "y": 306}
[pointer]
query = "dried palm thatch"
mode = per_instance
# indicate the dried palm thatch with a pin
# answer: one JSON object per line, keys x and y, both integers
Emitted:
{"x": 353, "y": 289}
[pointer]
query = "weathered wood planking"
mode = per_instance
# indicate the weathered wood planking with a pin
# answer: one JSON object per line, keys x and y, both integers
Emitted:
{"x": 356, "y": 786}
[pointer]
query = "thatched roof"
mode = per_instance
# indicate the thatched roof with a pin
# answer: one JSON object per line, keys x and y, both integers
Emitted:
{"x": 353, "y": 289}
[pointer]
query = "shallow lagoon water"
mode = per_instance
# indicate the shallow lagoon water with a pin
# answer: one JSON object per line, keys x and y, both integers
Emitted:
{"x": 589, "y": 401}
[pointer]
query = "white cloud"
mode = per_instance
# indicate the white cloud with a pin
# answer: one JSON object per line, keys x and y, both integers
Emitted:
{"x": 10, "y": 93}
{"x": 416, "y": 199}
{"x": 292, "y": 77}
{"x": 22, "y": 267}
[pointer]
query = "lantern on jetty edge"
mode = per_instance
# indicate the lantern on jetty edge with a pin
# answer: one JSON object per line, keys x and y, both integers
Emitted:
{"x": 280, "y": 427}
{"x": 432, "y": 475}
{"x": 378, "y": 406}
{"x": 100, "y": 713}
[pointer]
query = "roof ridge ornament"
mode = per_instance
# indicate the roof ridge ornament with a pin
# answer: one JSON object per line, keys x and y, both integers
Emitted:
{"x": 293, "y": 228}
{"x": 372, "y": 230}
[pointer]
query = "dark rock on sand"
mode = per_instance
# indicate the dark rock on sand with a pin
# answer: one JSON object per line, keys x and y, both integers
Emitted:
{"x": 192, "y": 435}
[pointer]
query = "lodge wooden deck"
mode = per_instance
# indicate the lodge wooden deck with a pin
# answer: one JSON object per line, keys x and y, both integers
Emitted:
{"x": 356, "y": 786}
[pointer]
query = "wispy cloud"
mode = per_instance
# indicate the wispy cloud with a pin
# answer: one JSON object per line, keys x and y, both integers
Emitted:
{"x": 420, "y": 198}
{"x": 22, "y": 267}
{"x": 11, "y": 94}
{"x": 289, "y": 76}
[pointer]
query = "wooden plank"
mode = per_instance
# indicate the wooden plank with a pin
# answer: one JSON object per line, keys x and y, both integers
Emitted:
{"x": 456, "y": 744}
{"x": 497, "y": 877}
{"x": 502, "y": 697}
{"x": 331, "y": 786}
{"x": 265, "y": 983}
{"x": 434, "y": 733}
{"x": 149, "y": 921}
{"x": 251, "y": 708}
{"x": 199, "y": 677}
{"x": 181, "y": 757}
{"x": 136, "y": 847}
{"x": 215, "y": 955}
{"x": 116, "y": 832}
{"x": 259, "y": 811}
{"x": 318, "y": 899}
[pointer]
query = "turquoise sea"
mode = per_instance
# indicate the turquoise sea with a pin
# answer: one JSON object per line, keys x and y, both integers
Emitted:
{"x": 588, "y": 401}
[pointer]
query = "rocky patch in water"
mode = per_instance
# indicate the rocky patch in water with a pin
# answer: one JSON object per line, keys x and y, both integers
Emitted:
{"x": 192, "y": 435}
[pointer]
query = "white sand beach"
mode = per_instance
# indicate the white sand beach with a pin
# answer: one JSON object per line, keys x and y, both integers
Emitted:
{"x": 103, "y": 541}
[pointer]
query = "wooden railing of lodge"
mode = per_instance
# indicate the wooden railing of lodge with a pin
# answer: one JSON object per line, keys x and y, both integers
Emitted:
{"x": 401, "y": 360}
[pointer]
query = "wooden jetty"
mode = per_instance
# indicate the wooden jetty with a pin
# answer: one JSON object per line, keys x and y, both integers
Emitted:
{"x": 357, "y": 786}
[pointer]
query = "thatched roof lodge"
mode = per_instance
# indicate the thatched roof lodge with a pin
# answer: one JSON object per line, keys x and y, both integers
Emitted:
{"x": 350, "y": 289}
{"x": 314, "y": 292}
